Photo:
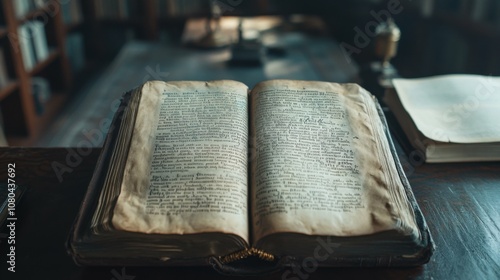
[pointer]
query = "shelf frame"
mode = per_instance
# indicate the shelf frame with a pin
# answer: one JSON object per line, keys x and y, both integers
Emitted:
{"x": 23, "y": 120}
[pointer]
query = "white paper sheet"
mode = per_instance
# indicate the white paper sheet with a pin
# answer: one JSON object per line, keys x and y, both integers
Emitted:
{"x": 453, "y": 108}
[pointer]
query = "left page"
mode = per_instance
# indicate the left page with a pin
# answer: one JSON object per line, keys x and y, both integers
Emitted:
{"x": 186, "y": 170}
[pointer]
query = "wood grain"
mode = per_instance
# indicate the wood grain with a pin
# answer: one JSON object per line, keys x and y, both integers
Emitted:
{"x": 461, "y": 204}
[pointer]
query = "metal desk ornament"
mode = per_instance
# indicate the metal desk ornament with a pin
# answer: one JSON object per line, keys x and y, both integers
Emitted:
{"x": 385, "y": 48}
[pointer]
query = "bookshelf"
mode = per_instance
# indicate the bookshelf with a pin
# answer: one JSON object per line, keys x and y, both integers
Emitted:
{"x": 26, "y": 110}
{"x": 24, "y": 113}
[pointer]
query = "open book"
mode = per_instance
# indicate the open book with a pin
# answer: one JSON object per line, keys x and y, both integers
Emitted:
{"x": 207, "y": 172}
{"x": 449, "y": 118}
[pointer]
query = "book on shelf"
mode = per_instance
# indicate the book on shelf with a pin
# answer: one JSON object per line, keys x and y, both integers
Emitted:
{"x": 40, "y": 45}
{"x": 199, "y": 173}
{"x": 450, "y": 118}
{"x": 25, "y": 45}
{"x": 32, "y": 43}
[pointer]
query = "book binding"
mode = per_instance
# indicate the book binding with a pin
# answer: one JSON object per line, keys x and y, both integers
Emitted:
{"x": 250, "y": 261}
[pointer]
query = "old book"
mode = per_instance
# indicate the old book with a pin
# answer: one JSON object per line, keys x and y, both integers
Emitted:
{"x": 449, "y": 118}
{"x": 198, "y": 173}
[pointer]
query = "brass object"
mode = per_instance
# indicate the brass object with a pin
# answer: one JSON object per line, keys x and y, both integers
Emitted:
{"x": 386, "y": 41}
{"x": 378, "y": 73}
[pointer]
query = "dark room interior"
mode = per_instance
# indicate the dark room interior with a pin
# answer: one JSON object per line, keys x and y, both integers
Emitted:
{"x": 74, "y": 76}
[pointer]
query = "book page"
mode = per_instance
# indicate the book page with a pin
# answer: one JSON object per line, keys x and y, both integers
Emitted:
{"x": 453, "y": 108}
{"x": 187, "y": 166}
{"x": 322, "y": 164}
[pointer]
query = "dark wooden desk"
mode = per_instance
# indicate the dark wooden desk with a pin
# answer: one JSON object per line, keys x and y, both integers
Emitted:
{"x": 461, "y": 203}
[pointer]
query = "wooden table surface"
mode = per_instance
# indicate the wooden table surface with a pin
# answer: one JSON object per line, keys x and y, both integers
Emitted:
{"x": 461, "y": 203}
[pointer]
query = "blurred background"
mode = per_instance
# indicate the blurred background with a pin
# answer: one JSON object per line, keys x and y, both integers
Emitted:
{"x": 65, "y": 63}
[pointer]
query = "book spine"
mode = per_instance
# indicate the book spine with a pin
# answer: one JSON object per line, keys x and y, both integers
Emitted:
{"x": 41, "y": 47}
{"x": 24, "y": 44}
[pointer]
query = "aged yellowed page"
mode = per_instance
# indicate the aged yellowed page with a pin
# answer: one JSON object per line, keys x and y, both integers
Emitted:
{"x": 186, "y": 170}
{"x": 321, "y": 163}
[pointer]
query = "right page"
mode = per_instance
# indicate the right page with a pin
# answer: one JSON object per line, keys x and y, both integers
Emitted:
{"x": 321, "y": 163}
